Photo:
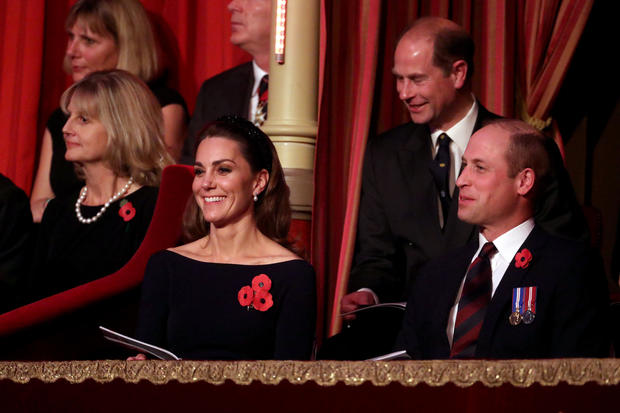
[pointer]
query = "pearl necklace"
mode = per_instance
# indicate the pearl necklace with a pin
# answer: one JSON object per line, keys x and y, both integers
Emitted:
{"x": 105, "y": 206}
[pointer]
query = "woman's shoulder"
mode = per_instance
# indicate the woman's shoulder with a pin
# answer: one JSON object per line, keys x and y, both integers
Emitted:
{"x": 145, "y": 195}
{"x": 190, "y": 250}
{"x": 167, "y": 96}
{"x": 167, "y": 261}
{"x": 297, "y": 265}
{"x": 144, "y": 192}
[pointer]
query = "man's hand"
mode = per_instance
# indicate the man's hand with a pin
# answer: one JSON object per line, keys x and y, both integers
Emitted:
{"x": 353, "y": 301}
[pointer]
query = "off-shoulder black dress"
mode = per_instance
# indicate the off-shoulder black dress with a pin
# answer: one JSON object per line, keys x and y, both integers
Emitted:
{"x": 193, "y": 309}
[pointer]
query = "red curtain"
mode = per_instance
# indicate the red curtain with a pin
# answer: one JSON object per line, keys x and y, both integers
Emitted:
{"x": 21, "y": 54}
{"x": 347, "y": 99}
{"x": 550, "y": 31}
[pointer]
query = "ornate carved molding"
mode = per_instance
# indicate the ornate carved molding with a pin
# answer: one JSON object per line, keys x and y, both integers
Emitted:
{"x": 520, "y": 373}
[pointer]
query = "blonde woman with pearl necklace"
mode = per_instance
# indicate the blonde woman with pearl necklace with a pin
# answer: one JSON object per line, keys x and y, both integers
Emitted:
{"x": 114, "y": 138}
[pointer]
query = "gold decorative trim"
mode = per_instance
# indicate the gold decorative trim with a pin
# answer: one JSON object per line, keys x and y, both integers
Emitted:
{"x": 519, "y": 373}
{"x": 540, "y": 124}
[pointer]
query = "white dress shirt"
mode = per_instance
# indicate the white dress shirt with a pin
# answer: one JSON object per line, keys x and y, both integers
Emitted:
{"x": 459, "y": 135}
{"x": 258, "y": 76}
{"x": 507, "y": 245}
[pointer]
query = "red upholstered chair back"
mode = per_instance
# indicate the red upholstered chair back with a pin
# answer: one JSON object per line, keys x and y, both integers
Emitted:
{"x": 163, "y": 232}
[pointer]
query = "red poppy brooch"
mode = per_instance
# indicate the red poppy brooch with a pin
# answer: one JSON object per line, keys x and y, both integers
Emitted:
{"x": 256, "y": 296}
{"x": 127, "y": 211}
{"x": 523, "y": 258}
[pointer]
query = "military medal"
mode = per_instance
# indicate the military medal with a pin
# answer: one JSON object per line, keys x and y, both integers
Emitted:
{"x": 530, "y": 305}
{"x": 517, "y": 306}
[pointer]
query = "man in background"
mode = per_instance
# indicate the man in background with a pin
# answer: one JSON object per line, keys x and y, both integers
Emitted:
{"x": 242, "y": 90}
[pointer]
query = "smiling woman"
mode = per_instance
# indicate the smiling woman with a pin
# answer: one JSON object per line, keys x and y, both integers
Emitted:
{"x": 237, "y": 291}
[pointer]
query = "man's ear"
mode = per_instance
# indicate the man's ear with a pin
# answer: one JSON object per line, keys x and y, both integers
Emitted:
{"x": 260, "y": 182}
{"x": 525, "y": 181}
{"x": 459, "y": 73}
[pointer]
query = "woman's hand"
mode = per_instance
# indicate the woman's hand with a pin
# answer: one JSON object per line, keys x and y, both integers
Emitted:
{"x": 138, "y": 356}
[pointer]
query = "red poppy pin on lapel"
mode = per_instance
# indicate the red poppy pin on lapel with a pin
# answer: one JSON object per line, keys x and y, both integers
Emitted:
{"x": 523, "y": 258}
{"x": 257, "y": 296}
{"x": 127, "y": 211}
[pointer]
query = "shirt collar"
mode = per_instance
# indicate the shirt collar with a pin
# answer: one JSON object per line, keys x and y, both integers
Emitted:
{"x": 462, "y": 130}
{"x": 510, "y": 241}
{"x": 258, "y": 75}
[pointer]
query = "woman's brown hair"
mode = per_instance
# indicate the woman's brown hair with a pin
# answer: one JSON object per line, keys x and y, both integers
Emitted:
{"x": 272, "y": 210}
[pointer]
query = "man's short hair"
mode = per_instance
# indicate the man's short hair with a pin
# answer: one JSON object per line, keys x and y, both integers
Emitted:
{"x": 527, "y": 148}
{"x": 450, "y": 43}
{"x": 453, "y": 45}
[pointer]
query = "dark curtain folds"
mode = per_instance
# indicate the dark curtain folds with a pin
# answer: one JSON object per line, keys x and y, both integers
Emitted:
{"x": 550, "y": 32}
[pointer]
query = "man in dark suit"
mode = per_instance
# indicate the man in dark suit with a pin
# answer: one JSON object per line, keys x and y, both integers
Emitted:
{"x": 407, "y": 215}
{"x": 515, "y": 291}
{"x": 235, "y": 91}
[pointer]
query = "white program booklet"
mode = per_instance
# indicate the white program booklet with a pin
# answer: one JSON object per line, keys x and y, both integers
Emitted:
{"x": 397, "y": 355}
{"x": 138, "y": 345}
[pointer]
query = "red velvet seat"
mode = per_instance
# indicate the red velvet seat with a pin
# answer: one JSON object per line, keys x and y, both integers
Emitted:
{"x": 163, "y": 232}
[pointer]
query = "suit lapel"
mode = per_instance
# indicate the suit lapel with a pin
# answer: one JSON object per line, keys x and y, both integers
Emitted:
{"x": 457, "y": 232}
{"x": 414, "y": 160}
{"x": 514, "y": 277}
{"x": 248, "y": 92}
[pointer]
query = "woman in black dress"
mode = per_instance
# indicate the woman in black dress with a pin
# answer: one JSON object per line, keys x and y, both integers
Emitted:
{"x": 114, "y": 135}
{"x": 102, "y": 35}
{"x": 237, "y": 292}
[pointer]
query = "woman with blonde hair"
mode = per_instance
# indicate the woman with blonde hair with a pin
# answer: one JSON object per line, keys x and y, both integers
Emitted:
{"x": 114, "y": 135}
{"x": 237, "y": 292}
{"x": 103, "y": 35}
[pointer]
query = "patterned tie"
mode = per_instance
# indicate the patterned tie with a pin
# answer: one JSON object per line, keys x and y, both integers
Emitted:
{"x": 440, "y": 168}
{"x": 473, "y": 304}
{"x": 261, "y": 108}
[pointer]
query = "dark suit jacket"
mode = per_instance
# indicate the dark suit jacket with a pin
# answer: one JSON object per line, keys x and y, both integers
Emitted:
{"x": 227, "y": 93}
{"x": 398, "y": 225}
{"x": 571, "y": 304}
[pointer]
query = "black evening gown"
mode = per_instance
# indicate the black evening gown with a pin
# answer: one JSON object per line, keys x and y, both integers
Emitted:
{"x": 192, "y": 308}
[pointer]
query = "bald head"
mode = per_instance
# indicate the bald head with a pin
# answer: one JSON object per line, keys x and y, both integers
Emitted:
{"x": 450, "y": 42}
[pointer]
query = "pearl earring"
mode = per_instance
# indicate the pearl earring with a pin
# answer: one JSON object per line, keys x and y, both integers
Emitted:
{"x": 255, "y": 198}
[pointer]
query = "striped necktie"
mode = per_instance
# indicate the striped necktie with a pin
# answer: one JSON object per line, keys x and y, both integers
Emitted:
{"x": 440, "y": 169}
{"x": 261, "y": 108}
{"x": 473, "y": 304}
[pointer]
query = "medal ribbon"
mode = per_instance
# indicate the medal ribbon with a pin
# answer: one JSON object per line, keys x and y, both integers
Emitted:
{"x": 517, "y": 300}
{"x": 531, "y": 299}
